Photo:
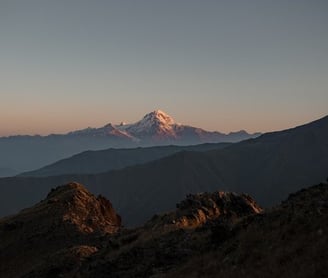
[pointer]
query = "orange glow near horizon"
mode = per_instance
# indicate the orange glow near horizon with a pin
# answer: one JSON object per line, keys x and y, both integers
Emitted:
{"x": 59, "y": 123}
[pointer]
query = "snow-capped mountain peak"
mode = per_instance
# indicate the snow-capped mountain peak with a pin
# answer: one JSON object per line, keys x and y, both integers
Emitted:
{"x": 158, "y": 117}
{"x": 155, "y": 124}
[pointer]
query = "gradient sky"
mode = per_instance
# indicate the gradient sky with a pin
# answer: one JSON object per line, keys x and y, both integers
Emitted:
{"x": 221, "y": 65}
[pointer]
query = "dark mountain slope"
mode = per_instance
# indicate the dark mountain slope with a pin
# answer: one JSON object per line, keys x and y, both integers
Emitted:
{"x": 269, "y": 168}
{"x": 5, "y": 172}
{"x": 93, "y": 162}
{"x": 23, "y": 153}
{"x": 137, "y": 192}
{"x": 275, "y": 164}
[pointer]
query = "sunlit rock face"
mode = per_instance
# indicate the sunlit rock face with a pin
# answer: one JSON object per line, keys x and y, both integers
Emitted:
{"x": 81, "y": 209}
{"x": 69, "y": 223}
{"x": 197, "y": 209}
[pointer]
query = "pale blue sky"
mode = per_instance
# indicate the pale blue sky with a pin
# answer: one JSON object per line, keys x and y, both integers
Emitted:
{"x": 221, "y": 65}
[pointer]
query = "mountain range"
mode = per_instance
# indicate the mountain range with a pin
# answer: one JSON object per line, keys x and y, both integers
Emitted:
{"x": 94, "y": 162}
{"x": 25, "y": 153}
{"x": 158, "y": 128}
{"x": 268, "y": 167}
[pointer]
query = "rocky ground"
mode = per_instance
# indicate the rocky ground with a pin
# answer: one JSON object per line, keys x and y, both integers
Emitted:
{"x": 70, "y": 223}
{"x": 72, "y": 233}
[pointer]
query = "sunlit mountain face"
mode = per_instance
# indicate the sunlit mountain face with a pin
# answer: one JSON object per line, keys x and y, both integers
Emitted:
{"x": 159, "y": 127}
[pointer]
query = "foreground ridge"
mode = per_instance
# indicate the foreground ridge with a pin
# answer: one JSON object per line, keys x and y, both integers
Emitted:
{"x": 68, "y": 223}
{"x": 72, "y": 233}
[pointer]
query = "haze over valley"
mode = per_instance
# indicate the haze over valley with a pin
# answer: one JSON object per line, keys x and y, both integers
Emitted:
{"x": 23, "y": 153}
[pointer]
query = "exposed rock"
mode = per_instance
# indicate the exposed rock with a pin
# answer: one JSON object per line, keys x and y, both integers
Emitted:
{"x": 171, "y": 239}
{"x": 289, "y": 240}
{"x": 198, "y": 209}
{"x": 80, "y": 208}
{"x": 209, "y": 235}
{"x": 69, "y": 216}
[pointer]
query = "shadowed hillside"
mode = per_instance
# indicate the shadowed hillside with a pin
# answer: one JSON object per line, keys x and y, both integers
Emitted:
{"x": 72, "y": 233}
{"x": 269, "y": 168}
{"x": 93, "y": 162}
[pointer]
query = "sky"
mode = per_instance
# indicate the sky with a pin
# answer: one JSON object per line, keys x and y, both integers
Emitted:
{"x": 224, "y": 65}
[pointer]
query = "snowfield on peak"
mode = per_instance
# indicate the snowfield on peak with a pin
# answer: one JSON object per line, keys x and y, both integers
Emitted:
{"x": 156, "y": 123}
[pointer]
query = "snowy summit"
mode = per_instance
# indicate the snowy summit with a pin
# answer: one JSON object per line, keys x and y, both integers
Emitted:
{"x": 157, "y": 127}
{"x": 154, "y": 123}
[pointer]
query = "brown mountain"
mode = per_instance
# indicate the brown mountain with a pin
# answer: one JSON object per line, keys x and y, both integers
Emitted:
{"x": 69, "y": 223}
{"x": 198, "y": 209}
{"x": 74, "y": 234}
{"x": 289, "y": 240}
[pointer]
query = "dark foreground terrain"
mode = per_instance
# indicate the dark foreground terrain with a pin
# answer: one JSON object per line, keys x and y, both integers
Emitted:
{"x": 72, "y": 233}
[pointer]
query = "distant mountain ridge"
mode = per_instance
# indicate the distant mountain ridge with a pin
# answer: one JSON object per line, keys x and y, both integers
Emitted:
{"x": 157, "y": 127}
{"x": 24, "y": 153}
{"x": 95, "y": 162}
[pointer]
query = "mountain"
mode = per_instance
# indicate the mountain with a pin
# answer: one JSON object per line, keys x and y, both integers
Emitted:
{"x": 93, "y": 162}
{"x": 60, "y": 227}
{"x": 72, "y": 233}
{"x": 108, "y": 130}
{"x": 6, "y": 172}
{"x": 287, "y": 241}
{"x": 23, "y": 153}
{"x": 268, "y": 167}
{"x": 156, "y": 125}
{"x": 158, "y": 128}
{"x": 26, "y": 153}
{"x": 199, "y": 209}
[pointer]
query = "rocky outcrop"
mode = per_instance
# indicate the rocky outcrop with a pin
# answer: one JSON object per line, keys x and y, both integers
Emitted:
{"x": 289, "y": 240}
{"x": 198, "y": 209}
{"x": 79, "y": 208}
{"x": 235, "y": 240}
{"x": 171, "y": 239}
{"x": 69, "y": 217}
